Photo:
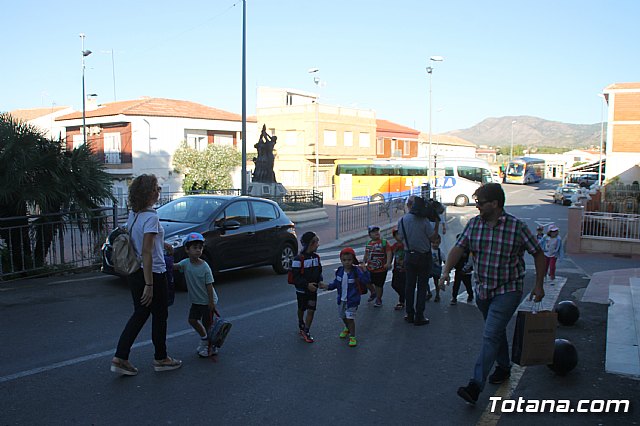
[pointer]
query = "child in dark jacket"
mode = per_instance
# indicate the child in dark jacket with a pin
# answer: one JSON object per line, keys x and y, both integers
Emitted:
{"x": 464, "y": 270}
{"x": 351, "y": 281}
{"x": 307, "y": 277}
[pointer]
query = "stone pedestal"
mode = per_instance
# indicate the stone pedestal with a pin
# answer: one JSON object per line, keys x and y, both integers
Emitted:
{"x": 259, "y": 189}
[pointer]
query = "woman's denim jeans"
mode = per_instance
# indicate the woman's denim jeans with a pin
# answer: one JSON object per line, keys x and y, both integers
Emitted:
{"x": 497, "y": 313}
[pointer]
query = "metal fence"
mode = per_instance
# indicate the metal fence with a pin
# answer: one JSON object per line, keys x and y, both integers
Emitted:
{"x": 611, "y": 226}
{"x": 361, "y": 215}
{"x": 42, "y": 244}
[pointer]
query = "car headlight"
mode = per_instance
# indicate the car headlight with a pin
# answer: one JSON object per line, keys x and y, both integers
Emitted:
{"x": 176, "y": 241}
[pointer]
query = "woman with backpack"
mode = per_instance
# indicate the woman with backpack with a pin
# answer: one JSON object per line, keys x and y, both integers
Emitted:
{"x": 149, "y": 283}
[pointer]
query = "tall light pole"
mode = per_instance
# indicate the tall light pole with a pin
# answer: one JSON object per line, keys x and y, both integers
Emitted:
{"x": 85, "y": 53}
{"x": 430, "y": 72}
{"x": 601, "y": 136}
{"x": 243, "y": 183}
{"x": 511, "y": 152}
{"x": 316, "y": 80}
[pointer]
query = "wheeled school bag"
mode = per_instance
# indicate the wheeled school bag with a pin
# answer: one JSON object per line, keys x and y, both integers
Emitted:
{"x": 218, "y": 332}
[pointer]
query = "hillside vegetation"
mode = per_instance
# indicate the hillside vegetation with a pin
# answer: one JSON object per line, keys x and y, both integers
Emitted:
{"x": 531, "y": 132}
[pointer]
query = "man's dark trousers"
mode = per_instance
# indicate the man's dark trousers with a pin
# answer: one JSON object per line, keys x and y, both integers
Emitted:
{"x": 418, "y": 266}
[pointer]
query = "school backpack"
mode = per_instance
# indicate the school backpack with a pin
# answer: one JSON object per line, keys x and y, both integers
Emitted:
{"x": 124, "y": 259}
{"x": 290, "y": 278}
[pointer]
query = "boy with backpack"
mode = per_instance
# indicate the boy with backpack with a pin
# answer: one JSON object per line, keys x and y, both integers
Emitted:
{"x": 351, "y": 282}
{"x": 399, "y": 278}
{"x": 202, "y": 295}
{"x": 377, "y": 258}
{"x": 436, "y": 269}
{"x": 306, "y": 275}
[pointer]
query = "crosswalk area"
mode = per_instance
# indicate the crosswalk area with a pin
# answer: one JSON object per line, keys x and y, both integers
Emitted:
{"x": 331, "y": 261}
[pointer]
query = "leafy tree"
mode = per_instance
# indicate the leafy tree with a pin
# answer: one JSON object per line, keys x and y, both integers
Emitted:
{"x": 38, "y": 175}
{"x": 208, "y": 169}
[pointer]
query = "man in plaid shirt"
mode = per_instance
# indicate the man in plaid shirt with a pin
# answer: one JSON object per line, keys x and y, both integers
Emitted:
{"x": 497, "y": 241}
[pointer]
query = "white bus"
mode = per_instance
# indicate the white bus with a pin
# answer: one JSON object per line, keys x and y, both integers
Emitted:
{"x": 458, "y": 178}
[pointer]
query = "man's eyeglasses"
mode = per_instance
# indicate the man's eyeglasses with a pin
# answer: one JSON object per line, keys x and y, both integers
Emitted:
{"x": 481, "y": 203}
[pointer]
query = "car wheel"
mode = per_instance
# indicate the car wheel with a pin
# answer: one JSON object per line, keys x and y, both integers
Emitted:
{"x": 461, "y": 201}
{"x": 282, "y": 263}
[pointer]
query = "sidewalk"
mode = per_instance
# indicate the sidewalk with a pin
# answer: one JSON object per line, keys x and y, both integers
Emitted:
{"x": 614, "y": 281}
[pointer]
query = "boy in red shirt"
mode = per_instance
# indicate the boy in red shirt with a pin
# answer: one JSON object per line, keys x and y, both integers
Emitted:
{"x": 377, "y": 258}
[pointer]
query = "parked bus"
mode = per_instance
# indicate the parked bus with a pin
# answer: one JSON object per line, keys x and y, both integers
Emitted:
{"x": 525, "y": 170}
{"x": 455, "y": 179}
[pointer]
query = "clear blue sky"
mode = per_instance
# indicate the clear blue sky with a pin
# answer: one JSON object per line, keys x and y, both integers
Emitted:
{"x": 545, "y": 58}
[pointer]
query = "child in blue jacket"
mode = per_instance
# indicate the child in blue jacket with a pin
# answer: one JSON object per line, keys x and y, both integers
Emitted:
{"x": 351, "y": 281}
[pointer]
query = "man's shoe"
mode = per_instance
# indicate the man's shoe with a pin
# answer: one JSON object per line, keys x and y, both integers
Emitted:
{"x": 437, "y": 298}
{"x": 428, "y": 296}
{"x": 453, "y": 302}
{"x": 500, "y": 375}
{"x": 409, "y": 319}
{"x": 469, "y": 393}
{"x": 421, "y": 321}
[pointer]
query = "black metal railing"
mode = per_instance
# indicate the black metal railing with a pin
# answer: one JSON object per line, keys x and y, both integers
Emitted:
{"x": 43, "y": 244}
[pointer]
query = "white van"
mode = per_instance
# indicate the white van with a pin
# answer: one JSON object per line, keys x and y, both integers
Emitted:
{"x": 458, "y": 178}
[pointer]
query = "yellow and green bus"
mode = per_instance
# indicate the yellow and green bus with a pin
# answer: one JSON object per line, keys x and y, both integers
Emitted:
{"x": 456, "y": 179}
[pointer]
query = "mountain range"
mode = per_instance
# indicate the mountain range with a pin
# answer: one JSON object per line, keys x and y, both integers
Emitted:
{"x": 531, "y": 131}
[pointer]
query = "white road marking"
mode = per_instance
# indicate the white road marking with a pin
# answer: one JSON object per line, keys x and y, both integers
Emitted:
{"x": 84, "y": 358}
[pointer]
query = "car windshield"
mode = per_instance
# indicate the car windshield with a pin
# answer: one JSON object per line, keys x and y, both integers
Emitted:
{"x": 569, "y": 190}
{"x": 189, "y": 209}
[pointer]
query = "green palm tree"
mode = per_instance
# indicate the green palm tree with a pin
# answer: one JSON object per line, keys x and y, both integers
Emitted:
{"x": 37, "y": 175}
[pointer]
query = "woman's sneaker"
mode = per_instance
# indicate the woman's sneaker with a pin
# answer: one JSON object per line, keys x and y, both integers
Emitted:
{"x": 167, "y": 364}
{"x": 123, "y": 367}
{"x": 352, "y": 341}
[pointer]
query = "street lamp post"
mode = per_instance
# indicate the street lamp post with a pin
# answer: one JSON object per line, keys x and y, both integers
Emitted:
{"x": 430, "y": 72}
{"x": 511, "y": 152}
{"x": 601, "y": 137}
{"x": 316, "y": 80}
{"x": 85, "y": 53}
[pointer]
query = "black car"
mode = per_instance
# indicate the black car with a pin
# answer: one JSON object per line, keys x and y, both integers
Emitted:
{"x": 564, "y": 193}
{"x": 239, "y": 232}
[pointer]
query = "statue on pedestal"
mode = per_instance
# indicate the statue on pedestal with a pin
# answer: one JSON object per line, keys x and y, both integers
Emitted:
{"x": 264, "y": 178}
{"x": 264, "y": 162}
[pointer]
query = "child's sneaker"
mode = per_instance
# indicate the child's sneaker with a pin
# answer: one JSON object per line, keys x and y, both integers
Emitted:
{"x": 352, "y": 341}
{"x": 378, "y": 304}
{"x": 203, "y": 348}
{"x": 344, "y": 333}
{"x": 214, "y": 351}
{"x": 306, "y": 335}
{"x": 371, "y": 297}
